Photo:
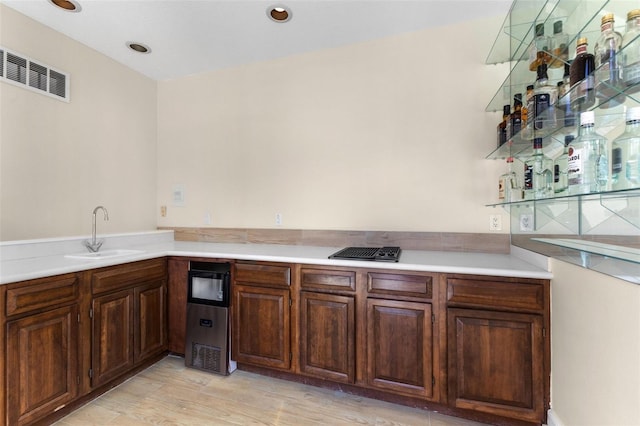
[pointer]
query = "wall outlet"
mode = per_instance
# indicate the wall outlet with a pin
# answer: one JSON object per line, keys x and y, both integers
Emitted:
{"x": 495, "y": 222}
{"x": 163, "y": 211}
{"x": 526, "y": 222}
{"x": 278, "y": 219}
{"x": 207, "y": 218}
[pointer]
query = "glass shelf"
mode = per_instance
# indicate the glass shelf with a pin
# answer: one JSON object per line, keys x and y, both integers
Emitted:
{"x": 574, "y": 228}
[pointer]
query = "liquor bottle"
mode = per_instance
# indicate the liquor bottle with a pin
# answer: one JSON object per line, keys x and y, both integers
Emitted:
{"x": 625, "y": 154}
{"x": 560, "y": 166}
{"x": 516, "y": 116}
{"x": 539, "y": 49}
{"x": 546, "y": 96}
{"x": 631, "y": 52}
{"x": 527, "y": 114}
{"x": 559, "y": 46}
{"x": 564, "y": 105}
{"x": 581, "y": 77}
{"x": 538, "y": 174}
{"x": 508, "y": 188}
{"x": 588, "y": 165}
{"x": 503, "y": 131}
{"x": 607, "y": 63}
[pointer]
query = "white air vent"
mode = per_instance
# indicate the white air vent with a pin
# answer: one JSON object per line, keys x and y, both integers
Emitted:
{"x": 22, "y": 71}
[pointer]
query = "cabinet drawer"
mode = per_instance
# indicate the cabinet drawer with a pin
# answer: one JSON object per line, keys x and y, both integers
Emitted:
{"x": 496, "y": 293}
{"x": 123, "y": 276}
{"x": 412, "y": 285}
{"x": 327, "y": 279}
{"x": 41, "y": 293}
{"x": 261, "y": 274}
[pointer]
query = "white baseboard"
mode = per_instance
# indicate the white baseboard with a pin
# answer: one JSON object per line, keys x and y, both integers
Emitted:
{"x": 552, "y": 419}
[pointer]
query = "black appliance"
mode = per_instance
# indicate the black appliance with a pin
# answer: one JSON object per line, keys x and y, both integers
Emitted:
{"x": 377, "y": 254}
{"x": 208, "y": 334}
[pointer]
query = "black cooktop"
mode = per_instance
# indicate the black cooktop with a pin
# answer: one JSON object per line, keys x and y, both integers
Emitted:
{"x": 378, "y": 254}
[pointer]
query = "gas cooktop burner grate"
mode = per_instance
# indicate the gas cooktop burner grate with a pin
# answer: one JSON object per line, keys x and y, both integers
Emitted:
{"x": 382, "y": 254}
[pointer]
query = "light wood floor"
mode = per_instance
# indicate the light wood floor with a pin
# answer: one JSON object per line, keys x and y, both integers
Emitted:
{"x": 168, "y": 393}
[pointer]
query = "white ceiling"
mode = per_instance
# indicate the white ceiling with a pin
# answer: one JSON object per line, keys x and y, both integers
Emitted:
{"x": 194, "y": 36}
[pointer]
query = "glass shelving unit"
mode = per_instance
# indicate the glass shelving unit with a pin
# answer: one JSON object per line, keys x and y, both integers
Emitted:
{"x": 556, "y": 226}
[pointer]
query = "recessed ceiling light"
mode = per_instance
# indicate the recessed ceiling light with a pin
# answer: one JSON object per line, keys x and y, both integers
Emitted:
{"x": 139, "y": 47}
{"x": 68, "y": 5}
{"x": 279, "y": 13}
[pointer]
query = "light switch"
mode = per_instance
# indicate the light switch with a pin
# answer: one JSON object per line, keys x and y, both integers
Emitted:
{"x": 178, "y": 195}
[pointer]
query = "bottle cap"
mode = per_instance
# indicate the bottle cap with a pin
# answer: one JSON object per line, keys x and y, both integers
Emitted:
{"x": 537, "y": 143}
{"x": 568, "y": 139}
{"x": 557, "y": 27}
{"x": 607, "y": 18}
{"x": 530, "y": 87}
{"x": 582, "y": 40}
{"x": 633, "y": 14}
{"x": 506, "y": 110}
{"x": 633, "y": 114}
{"x": 517, "y": 99}
{"x": 587, "y": 117}
{"x": 542, "y": 71}
{"x": 539, "y": 30}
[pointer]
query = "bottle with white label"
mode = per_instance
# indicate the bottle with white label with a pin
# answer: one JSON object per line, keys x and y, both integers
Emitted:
{"x": 560, "y": 166}
{"x": 588, "y": 167}
{"x": 625, "y": 154}
{"x": 538, "y": 174}
{"x": 508, "y": 188}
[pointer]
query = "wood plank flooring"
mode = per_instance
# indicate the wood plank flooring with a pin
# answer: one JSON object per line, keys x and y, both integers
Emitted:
{"x": 168, "y": 393}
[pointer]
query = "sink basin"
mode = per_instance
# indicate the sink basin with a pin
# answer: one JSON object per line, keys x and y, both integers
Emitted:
{"x": 105, "y": 254}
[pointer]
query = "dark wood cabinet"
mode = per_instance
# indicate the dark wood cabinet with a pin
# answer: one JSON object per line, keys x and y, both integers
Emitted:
{"x": 177, "y": 303}
{"x": 150, "y": 322}
{"x": 327, "y": 336}
{"x": 400, "y": 347}
{"x": 42, "y": 346}
{"x": 261, "y": 326}
{"x": 129, "y": 318}
{"x": 112, "y": 352}
{"x": 260, "y": 312}
{"x": 498, "y": 348}
{"x": 42, "y": 357}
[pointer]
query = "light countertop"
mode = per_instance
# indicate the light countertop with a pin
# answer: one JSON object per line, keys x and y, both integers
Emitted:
{"x": 26, "y": 260}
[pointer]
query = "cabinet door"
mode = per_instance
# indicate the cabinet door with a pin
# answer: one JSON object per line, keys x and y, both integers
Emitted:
{"x": 400, "y": 347}
{"x": 496, "y": 363}
{"x": 177, "y": 302}
{"x": 261, "y": 326}
{"x": 42, "y": 364}
{"x": 112, "y": 336}
{"x": 327, "y": 336}
{"x": 150, "y": 320}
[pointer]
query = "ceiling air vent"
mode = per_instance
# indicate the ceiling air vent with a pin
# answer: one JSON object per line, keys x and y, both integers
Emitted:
{"x": 22, "y": 71}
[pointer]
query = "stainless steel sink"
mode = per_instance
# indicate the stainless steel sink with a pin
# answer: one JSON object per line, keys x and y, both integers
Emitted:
{"x": 106, "y": 254}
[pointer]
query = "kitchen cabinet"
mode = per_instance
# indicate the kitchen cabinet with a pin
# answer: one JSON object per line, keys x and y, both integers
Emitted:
{"x": 42, "y": 347}
{"x": 261, "y": 309}
{"x": 498, "y": 347}
{"x": 400, "y": 333}
{"x": 575, "y": 227}
{"x": 327, "y": 324}
{"x": 177, "y": 303}
{"x": 129, "y": 317}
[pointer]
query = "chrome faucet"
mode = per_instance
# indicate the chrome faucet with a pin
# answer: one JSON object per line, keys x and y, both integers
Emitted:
{"x": 95, "y": 245}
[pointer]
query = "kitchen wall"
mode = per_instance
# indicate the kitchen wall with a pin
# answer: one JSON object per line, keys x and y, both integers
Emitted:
{"x": 59, "y": 160}
{"x": 595, "y": 341}
{"x": 388, "y": 135}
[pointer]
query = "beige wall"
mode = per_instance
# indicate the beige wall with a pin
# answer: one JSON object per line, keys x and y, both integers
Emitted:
{"x": 59, "y": 160}
{"x": 595, "y": 345}
{"x": 384, "y": 135}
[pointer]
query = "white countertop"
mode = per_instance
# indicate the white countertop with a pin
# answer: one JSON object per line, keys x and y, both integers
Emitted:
{"x": 26, "y": 260}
